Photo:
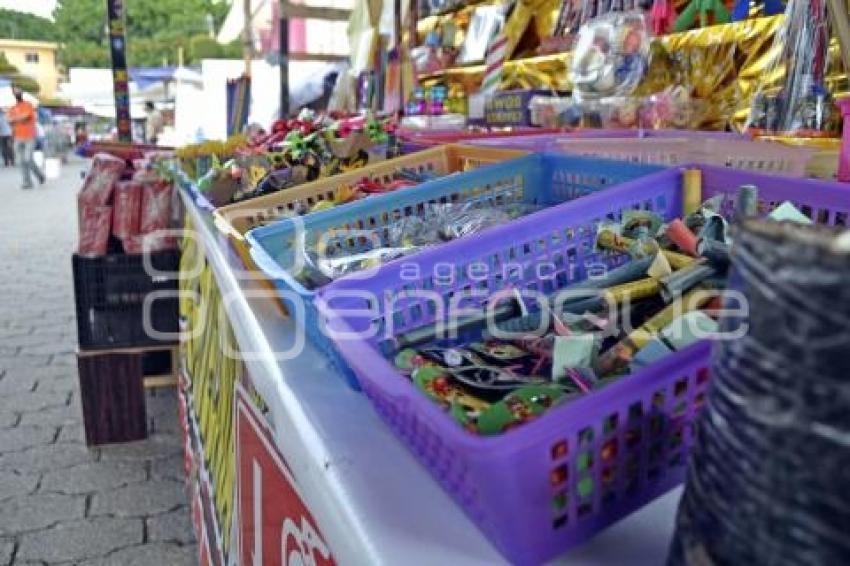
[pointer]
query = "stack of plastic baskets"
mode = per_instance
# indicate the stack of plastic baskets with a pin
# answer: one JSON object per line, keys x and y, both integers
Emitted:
{"x": 234, "y": 220}
{"x": 548, "y": 485}
{"x": 542, "y": 180}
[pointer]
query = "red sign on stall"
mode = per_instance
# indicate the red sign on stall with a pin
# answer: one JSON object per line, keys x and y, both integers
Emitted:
{"x": 275, "y": 526}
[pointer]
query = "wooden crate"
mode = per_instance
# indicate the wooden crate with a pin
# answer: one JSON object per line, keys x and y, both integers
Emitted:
{"x": 112, "y": 390}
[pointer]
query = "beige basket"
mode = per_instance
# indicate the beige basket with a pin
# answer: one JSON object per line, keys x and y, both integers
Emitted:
{"x": 234, "y": 220}
{"x": 823, "y": 163}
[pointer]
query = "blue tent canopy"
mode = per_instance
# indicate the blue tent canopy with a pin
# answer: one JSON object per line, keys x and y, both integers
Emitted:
{"x": 146, "y": 76}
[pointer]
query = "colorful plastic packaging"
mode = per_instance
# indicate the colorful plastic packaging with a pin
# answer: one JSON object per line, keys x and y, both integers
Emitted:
{"x": 156, "y": 207}
{"x": 95, "y": 222}
{"x": 105, "y": 171}
{"x": 126, "y": 208}
{"x": 148, "y": 243}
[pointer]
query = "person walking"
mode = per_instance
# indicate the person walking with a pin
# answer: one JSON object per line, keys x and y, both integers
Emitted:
{"x": 23, "y": 119}
{"x": 153, "y": 124}
{"x": 6, "y": 149}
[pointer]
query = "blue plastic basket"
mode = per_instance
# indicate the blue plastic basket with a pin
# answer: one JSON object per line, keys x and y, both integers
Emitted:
{"x": 541, "y": 179}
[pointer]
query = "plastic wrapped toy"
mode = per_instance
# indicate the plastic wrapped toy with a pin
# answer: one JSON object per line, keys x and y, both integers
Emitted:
{"x": 611, "y": 56}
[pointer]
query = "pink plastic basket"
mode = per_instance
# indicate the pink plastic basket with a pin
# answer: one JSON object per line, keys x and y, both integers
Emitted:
{"x": 735, "y": 153}
{"x": 546, "y": 486}
{"x": 439, "y": 137}
{"x": 549, "y": 142}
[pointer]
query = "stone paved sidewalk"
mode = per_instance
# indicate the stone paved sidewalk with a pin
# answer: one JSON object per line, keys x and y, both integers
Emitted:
{"x": 60, "y": 502}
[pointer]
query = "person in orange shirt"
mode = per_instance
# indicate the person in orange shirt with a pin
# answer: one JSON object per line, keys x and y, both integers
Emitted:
{"x": 22, "y": 117}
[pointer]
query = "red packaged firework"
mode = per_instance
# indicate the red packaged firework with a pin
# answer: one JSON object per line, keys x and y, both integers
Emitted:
{"x": 126, "y": 208}
{"x": 148, "y": 243}
{"x": 105, "y": 171}
{"x": 95, "y": 222}
{"x": 156, "y": 206}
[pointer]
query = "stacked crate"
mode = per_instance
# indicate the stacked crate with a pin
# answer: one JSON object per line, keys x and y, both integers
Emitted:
{"x": 126, "y": 305}
{"x": 120, "y": 299}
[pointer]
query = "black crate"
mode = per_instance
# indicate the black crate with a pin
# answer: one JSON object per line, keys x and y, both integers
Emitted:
{"x": 110, "y": 293}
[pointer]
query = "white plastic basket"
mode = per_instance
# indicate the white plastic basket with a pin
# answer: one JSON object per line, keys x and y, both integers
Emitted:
{"x": 738, "y": 154}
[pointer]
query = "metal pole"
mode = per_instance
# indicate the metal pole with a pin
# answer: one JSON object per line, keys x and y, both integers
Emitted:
{"x": 120, "y": 78}
{"x": 247, "y": 41}
{"x": 393, "y": 149}
{"x": 399, "y": 53}
{"x": 283, "y": 38}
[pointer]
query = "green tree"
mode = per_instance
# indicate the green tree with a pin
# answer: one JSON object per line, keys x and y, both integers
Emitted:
{"x": 9, "y": 71}
{"x": 84, "y": 54}
{"x": 232, "y": 50}
{"x": 18, "y": 25}
{"x": 155, "y": 30}
{"x": 204, "y": 47}
{"x": 81, "y": 21}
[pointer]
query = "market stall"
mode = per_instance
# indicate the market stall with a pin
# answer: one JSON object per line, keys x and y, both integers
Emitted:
{"x": 548, "y": 282}
{"x": 497, "y": 347}
{"x": 277, "y": 434}
{"x": 328, "y": 466}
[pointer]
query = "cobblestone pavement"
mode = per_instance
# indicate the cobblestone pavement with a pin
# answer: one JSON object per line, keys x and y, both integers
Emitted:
{"x": 60, "y": 502}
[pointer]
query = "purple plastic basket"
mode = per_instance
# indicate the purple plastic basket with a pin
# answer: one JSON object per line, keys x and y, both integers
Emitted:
{"x": 550, "y": 484}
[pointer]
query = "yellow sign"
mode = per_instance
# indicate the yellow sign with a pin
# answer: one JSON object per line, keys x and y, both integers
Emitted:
{"x": 213, "y": 374}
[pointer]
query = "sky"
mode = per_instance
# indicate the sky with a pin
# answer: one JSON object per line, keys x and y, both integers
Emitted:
{"x": 42, "y": 8}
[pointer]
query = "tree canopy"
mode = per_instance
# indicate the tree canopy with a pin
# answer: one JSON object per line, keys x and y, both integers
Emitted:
{"x": 155, "y": 29}
{"x": 18, "y": 25}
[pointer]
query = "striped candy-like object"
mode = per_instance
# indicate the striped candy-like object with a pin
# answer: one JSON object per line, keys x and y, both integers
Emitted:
{"x": 495, "y": 62}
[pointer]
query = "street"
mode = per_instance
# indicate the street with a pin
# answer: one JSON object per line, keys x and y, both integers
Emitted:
{"x": 60, "y": 502}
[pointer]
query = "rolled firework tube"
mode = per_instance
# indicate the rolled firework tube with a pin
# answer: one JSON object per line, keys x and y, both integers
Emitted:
{"x": 510, "y": 309}
{"x": 682, "y": 236}
{"x": 746, "y": 202}
{"x": 716, "y": 252}
{"x": 679, "y": 282}
{"x": 616, "y": 295}
{"x": 622, "y": 275}
{"x": 426, "y": 334}
{"x": 634, "y": 291}
{"x": 619, "y": 355}
{"x": 608, "y": 240}
{"x": 714, "y": 228}
{"x": 691, "y": 190}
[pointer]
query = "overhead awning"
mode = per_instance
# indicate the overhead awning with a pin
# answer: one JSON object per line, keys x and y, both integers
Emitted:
{"x": 147, "y": 76}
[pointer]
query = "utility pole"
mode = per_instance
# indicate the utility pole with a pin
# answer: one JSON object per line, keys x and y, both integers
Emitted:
{"x": 247, "y": 40}
{"x": 283, "y": 40}
{"x": 120, "y": 78}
